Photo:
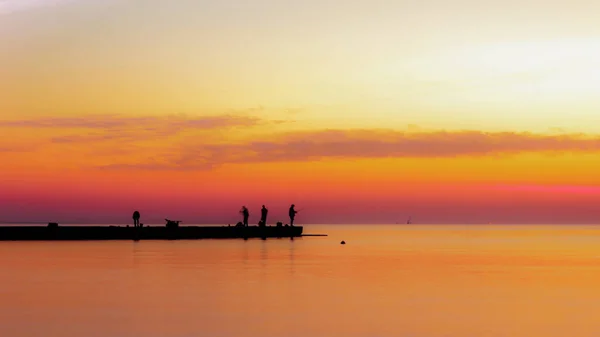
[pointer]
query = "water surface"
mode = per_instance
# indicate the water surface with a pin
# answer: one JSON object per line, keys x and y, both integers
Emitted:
{"x": 386, "y": 281}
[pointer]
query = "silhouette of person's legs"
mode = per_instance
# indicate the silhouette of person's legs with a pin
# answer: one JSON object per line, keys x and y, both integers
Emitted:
{"x": 291, "y": 221}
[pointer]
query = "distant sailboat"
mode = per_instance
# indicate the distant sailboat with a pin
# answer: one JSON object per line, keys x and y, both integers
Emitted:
{"x": 409, "y": 221}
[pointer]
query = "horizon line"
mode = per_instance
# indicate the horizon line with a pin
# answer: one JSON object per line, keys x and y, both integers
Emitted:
{"x": 318, "y": 224}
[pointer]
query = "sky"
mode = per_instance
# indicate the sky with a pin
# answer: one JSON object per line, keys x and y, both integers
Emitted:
{"x": 357, "y": 111}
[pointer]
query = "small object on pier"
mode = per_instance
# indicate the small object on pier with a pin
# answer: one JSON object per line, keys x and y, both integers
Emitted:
{"x": 343, "y": 242}
{"x": 172, "y": 223}
{"x": 52, "y": 225}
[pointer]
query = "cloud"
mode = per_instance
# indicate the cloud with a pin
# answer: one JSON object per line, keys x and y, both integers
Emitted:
{"x": 122, "y": 122}
{"x": 381, "y": 144}
{"x": 117, "y": 139}
{"x": 107, "y": 128}
{"x": 562, "y": 189}
{"x": 123, "y": 143}
{"x": 365, "y": 144}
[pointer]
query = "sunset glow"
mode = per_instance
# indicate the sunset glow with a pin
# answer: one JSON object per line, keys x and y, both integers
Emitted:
{"x": 361, "y": 113}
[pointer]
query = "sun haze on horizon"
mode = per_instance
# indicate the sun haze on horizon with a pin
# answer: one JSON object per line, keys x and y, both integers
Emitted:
{"x": 366, "y": 112}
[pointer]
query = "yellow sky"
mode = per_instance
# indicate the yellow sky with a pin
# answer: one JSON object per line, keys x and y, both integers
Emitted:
{"x": 512, "y": 65}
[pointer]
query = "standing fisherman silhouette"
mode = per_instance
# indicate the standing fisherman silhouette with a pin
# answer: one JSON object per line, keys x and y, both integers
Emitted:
{"x": 246, "y": 214}
{"x": 136, "y": 219}
{"x": 292, "y": 214}
{"x": 263, "y": 215}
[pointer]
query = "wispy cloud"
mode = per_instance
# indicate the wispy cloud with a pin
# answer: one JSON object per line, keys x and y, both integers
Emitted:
{"x": 106, "y": 128}
{"x": 331, "y": 144}
{"x": 572, "y": 189}
{"x": 124, "y": 122}
{"x": 121, "y": 142}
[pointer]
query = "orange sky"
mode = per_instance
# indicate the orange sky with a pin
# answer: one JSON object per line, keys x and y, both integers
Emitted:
{"x": 191, "y": 110}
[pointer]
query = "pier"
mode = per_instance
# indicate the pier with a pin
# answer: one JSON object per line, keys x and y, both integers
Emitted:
{"x": 54, "y": 232}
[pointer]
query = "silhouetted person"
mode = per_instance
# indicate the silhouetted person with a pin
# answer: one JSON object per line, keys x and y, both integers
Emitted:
{"x": 136, "y": 219}
{"x": 263, "y": 215}
{"x": 246, "y": 214}
{"x": 292, "y": 214}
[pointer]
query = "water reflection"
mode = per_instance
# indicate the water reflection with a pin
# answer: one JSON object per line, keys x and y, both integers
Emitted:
{"x": 292, "y": 255}
{"x": 263, "y": 258}
{"x": 387, "y": 281}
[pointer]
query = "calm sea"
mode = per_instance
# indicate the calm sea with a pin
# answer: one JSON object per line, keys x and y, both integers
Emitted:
{"x": 386, "y": 281}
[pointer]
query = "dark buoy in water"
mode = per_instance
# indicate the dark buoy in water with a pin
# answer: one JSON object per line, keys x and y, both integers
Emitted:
{"x": 343, "y": 242}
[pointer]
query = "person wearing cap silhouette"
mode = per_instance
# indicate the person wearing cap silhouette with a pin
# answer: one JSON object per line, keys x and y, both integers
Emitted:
{"x": 292, "y": 213}
{"x": 246, "y": 214}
